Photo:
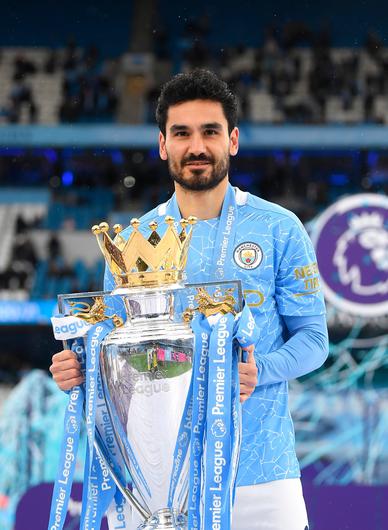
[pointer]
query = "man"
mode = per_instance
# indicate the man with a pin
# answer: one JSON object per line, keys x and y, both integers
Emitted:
{"x": 266, "y": 247}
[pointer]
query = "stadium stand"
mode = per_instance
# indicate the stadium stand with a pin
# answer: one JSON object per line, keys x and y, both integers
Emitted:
{"x": 41, "y": 85}
{"x": 278, "y": 82}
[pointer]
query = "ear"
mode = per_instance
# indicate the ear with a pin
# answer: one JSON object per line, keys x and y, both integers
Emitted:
{"x": 162, "y": 147}
{"x": 233, "y": 144}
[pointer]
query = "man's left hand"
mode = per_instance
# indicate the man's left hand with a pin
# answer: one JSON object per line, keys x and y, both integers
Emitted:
{"x": 248, "y": 375}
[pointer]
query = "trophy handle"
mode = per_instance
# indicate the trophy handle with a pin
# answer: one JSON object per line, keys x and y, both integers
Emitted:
{"x": 240, "y": 353}
{"x": 144, "y": 512}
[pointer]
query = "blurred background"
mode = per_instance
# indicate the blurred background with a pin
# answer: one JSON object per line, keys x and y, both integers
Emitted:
{"x": 78, "y": 144}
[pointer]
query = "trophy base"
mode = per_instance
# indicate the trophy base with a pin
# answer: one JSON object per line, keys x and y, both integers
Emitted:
{"x": 165, "y": 519}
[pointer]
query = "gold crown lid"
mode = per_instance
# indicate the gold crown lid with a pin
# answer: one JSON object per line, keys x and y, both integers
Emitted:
{"x": 146, "y": 262}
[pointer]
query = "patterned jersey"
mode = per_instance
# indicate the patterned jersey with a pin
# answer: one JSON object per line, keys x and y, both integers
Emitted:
{"x": 275, "y": 261}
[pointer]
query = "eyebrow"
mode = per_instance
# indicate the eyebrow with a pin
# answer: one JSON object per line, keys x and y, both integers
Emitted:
{"x": 213, "y": 125}
{"x": 176, "y": 128}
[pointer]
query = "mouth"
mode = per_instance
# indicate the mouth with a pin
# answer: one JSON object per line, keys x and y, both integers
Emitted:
{"x": 198, "y": 164}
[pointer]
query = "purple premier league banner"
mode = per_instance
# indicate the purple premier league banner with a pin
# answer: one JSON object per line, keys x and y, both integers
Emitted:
{"x": 350, "y": 507}
{"x": 33, "y": 509}
{"x": 351, "y": 243}
{"x": 347, "y": 486}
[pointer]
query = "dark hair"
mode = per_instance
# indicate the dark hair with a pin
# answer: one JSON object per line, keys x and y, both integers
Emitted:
{"x": 198, "y": 84}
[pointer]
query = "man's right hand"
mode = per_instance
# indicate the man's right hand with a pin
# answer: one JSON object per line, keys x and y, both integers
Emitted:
{"x": 66, "y": 370}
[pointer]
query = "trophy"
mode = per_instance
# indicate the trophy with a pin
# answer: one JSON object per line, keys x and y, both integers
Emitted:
{"x": 146, "y": 365}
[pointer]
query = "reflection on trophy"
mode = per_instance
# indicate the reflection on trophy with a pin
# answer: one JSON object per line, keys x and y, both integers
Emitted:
{"x": 146, "y": 366}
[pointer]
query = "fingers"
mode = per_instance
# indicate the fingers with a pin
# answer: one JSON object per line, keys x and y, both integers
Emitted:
{"x": 248, "y": 375}
{"x": 251, "y": 357}
{"x": 70, "y": 383}
{"x": 244, "y": 397}
{"x": 63, "y": 361}
{"x": 66, "y": 370}
{"x": 63, "y": 355}
{"x": 246, "y": 391}
{"x": 247, "y": 354}
{"x": 247, "y": 368}
{"x": 61, "y": 366}
{"x": 247, "y": 386}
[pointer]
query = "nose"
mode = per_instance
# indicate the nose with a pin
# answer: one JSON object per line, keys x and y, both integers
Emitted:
{"x": 197, "y": 145}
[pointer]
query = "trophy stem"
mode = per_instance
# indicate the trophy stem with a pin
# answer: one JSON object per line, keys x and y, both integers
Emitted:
{"x": 165, "y": 519}
{"x": 149, "y": 303}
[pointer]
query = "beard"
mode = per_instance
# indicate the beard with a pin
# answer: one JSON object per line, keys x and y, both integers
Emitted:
{"x": 199, "y": 179}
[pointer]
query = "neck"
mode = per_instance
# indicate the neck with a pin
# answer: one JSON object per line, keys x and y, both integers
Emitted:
{"x": 202, "y": 204}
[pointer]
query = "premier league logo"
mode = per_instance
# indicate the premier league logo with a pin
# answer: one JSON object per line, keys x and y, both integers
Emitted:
{"x": 182, "y": 440}
{"x": 196, "y": 447}
{"x": 71, "y": 426}
{"x": 218, "y": 428}
{"x": 351, "y": 242}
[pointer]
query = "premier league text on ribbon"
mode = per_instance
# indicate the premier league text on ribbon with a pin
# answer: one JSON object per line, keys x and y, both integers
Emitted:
{"x": 105, "y": 423}
{"x": 201, "y": 378}
{"x": 219, "y": 410}
{"x": 94, "y": 344}
{"x": 230, "y": 218}
{"x": 69, "y": 456}
{"x": 198, "y": 426}
{"x": 60, "y": 500}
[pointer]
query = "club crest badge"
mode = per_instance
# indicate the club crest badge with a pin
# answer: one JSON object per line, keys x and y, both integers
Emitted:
{"x": 351, "y": 242}
{"x": 248, "y": 255}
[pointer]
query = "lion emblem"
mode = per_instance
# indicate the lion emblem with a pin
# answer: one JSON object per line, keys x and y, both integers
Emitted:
{"x": 218, "y": 428}
{"x": 361, "y": 255}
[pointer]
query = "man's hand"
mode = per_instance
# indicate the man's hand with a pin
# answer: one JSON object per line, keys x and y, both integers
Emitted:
{"x": 248, "y": 375}
{"x": 66, "y": 370}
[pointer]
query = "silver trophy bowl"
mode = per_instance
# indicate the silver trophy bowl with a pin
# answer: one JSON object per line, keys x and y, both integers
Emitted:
{"x": 146, "y": 368}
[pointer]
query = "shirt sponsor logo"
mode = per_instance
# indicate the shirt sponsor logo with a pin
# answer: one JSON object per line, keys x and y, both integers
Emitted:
{"x": 308, "y": 277}
{"x": 248, "y": 255}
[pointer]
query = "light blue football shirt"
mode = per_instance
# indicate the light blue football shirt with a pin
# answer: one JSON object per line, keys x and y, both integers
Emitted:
{"x": 275, "y": 261}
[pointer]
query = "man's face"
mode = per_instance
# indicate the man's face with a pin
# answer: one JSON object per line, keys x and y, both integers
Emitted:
{"x": 197, "y": 145}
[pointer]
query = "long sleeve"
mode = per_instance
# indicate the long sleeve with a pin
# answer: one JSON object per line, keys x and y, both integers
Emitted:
{"x": 305, "y": 351}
